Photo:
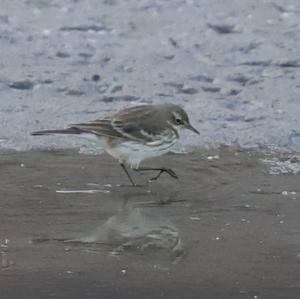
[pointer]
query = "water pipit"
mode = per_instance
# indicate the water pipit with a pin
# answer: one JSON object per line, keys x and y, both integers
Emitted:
{"x": 135, "y": 134}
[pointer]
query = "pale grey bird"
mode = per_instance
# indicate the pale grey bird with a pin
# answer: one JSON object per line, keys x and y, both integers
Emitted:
{"x": 135, "y": 134}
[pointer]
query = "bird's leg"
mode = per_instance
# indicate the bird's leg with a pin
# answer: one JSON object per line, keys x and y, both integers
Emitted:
{"x": 161, "y": 170}
{"x": 128, "y": 175}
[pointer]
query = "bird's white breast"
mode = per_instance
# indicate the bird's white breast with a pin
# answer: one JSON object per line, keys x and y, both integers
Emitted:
{"x": 133, "y": 153}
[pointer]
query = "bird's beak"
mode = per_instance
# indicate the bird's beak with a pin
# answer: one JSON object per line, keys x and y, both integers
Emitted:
{"x": 190, "y": 127}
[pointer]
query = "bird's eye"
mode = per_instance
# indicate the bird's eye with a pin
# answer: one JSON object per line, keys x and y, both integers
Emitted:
{"x": 178, "y": 121}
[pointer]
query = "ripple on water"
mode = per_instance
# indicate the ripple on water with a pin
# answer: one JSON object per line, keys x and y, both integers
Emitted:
{"x": 283, "y": 165}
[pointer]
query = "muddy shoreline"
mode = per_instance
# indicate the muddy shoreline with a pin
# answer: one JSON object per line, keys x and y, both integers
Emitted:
{"x": 225, "y": 229}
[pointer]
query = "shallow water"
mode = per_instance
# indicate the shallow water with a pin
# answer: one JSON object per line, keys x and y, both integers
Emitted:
{"x": 226, "y": 229}
{"x": 235, "y": 68}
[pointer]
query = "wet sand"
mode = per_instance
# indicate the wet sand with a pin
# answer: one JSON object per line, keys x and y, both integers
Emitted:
{"x": 225, "y": 229}
{"x": 233, "y": 65}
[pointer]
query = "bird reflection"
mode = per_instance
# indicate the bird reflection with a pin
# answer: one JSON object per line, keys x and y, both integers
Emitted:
{"x": 135, "y": 229}
{"x": 140, "y": 225}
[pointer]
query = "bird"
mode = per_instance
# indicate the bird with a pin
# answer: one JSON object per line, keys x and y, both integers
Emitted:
{"x": 135, "y": 134}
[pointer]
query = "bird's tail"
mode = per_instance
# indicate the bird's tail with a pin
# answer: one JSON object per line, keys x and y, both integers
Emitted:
{"x": 63, "y": 131}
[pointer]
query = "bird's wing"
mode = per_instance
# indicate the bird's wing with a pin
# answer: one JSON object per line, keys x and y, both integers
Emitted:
{"x": 100, "y": 127}
{"x": 144, "y": 124}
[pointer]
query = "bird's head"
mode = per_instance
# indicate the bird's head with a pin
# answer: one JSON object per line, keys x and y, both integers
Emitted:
{"x": 180, "y": 120}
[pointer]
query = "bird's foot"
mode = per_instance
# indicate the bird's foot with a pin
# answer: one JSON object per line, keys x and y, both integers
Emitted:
{"x": 169, "y": 171}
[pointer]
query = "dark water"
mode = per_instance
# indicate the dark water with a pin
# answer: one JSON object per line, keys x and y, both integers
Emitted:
{"x": 71, "y": 228}
{"x": 234, "y": 67}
